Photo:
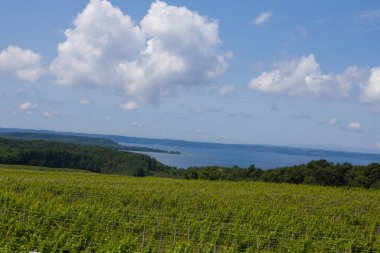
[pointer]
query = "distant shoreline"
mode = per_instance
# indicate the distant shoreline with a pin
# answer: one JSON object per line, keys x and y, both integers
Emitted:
{"x": 146, "y": 149}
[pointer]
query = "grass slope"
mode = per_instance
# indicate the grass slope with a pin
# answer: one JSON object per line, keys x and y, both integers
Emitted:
{"x": 67, "y": 211}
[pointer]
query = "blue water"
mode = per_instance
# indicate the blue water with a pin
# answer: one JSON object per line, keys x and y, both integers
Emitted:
{"x": 265, "y": 157}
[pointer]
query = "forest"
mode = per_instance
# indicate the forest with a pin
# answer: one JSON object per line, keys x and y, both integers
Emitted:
{"x": 55, "y": 154}
{"x": 80, "y": 140}
{"x": 318, "y": 172}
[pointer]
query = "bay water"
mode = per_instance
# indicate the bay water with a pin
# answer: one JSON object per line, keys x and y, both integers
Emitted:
{"x": 265, "y": 157}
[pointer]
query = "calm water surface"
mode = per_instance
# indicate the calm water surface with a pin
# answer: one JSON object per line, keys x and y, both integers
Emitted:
{"x": 264, "y": 157}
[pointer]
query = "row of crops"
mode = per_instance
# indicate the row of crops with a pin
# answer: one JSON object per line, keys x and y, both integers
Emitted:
{"x": 53, "y": 211}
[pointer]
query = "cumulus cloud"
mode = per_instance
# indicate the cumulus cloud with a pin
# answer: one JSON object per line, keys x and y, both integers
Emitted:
{"x": 28, "y": 106}
{"x": 170, "y": 49}
{"x": 302, "y": 77}
{"x": 226, "y": 90}
{"x": 129, "y": 106}
{"x": 21, "y": 63}
{"x": 371, "y": 89}
{"x": 262, "y": 18}
{"x": 355, "y": 127}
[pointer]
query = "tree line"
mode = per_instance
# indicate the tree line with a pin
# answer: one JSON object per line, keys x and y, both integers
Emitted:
{"x": 318, "y": 172}
{"x": 81, "y": 140}
{"x": 67, "y": 155}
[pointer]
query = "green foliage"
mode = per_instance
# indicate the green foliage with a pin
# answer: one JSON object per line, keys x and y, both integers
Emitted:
{"x": 80, "y": 140}
{"x": 65, "y": 155}
{"x": 319, "y": 172}
{"x": 56, "y": 211}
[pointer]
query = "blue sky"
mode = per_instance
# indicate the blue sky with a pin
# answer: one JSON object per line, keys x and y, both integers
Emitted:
{"x": 303, "y": 73}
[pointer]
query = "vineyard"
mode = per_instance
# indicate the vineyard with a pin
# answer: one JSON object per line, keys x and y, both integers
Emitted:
{"x": 78, "y": 211}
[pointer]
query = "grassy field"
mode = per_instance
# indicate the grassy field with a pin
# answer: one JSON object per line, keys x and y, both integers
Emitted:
{"x": 76, "y": 211}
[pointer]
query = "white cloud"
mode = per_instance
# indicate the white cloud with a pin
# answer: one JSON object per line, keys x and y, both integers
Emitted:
{"x": 377, "y": 146}
{"x": 332, "y": 122}
{"x": 226, "y": 90}
{"x": 129, "y": 106}
{"x": 50, "y": 113}
{"x": 84, "y": 101}
{"x": 355, "y": 127}
{"x": 21, "y": 64}
{"x": 302, "y": 77}
{"x": 262, "y": 18}
{"x": 171, "y": 48}
{"x": 371, "y": 89}
{"x": 28, "y": 106}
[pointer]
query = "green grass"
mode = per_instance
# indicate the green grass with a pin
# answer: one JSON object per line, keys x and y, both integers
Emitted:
{"x": 76, "y": 211}
{"x": 39, "y": 168}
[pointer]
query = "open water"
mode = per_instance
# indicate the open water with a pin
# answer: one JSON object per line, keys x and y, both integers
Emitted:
{"x": 265, "y": 157}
